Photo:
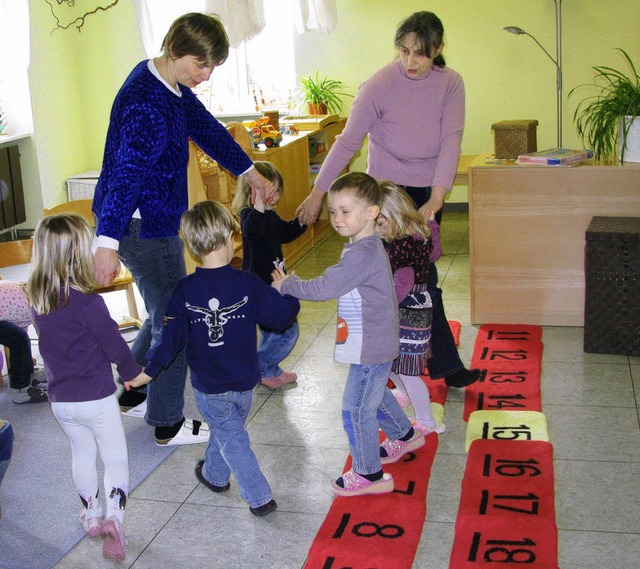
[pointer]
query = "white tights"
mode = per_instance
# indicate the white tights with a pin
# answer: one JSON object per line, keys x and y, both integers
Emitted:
{"x": 415, "y": 389}
{"x": 92, "y": 426}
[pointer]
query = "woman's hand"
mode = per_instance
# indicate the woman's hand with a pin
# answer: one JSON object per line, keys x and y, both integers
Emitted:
{"x": 106, "y": 266}
{"x": 261, "y": 185}
{"x": 309, "y": 209}
{"x": 435, "y": 203}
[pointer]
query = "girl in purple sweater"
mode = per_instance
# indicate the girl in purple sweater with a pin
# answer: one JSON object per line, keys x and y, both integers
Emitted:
{"x": 78, "y": 342}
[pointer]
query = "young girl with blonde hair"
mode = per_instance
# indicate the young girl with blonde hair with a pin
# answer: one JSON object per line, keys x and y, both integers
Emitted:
{"x": 263, "y": 234}
{"x": 79, "y": 341}
{"x": 412, "y": 246}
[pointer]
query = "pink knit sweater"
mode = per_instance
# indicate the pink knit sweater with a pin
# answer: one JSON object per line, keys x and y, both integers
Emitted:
{"x": 414, "y": 125}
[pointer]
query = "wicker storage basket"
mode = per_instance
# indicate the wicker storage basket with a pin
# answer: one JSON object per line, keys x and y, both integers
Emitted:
{"x": 82, "y": 186}
{"x": 513, "y": 138}
{"x": 612, "y": 286}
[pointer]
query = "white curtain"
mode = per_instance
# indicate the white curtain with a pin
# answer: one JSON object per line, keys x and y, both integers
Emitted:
{"x": 315, "y": 16}
{"x": 242, "y": 19}
{"x": 150, "y": 40}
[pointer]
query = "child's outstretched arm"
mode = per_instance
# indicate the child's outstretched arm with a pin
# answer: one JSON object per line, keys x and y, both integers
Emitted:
{"x": 141, "y": 379}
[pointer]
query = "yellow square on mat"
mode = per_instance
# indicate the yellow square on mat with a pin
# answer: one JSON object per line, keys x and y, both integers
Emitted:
{"x": 506, "y": 425}
{"x": 438, "y": 411}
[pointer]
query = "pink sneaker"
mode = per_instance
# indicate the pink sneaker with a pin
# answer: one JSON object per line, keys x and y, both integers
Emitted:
{"x": 395, "y": 450}
{"x": 114, "y": 541}
{"x": 418, "y": 426}
{"x": 356, "y": 485}
{"x": 92, "y": 526}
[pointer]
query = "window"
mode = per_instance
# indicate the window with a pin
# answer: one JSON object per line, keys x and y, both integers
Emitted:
{"x": 14, "y": 62}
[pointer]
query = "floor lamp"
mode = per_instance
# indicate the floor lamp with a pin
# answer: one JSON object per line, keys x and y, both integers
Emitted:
{"x": 557, "y": 61}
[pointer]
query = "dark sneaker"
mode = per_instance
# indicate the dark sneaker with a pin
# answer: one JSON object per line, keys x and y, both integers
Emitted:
{"x": 208, "y": 484}
{"x": 130, "y": 399}
{"x": 39, "y": 379}
{"x": 29, "y": 395}
{"x": 265, "y": 509}
{"x": 462, "y": 378}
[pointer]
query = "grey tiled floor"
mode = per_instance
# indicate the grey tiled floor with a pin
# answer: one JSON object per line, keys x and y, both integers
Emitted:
{"x": 590, "y": 402}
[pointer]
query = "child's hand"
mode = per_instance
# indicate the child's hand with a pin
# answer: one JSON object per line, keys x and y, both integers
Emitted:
{"x": 139, "y": 380}
{"x": 257, "y": 200}
{"x": 278, "y": 275}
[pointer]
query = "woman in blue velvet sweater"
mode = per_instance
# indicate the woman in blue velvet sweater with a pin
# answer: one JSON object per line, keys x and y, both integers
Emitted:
{"x": 142, "y": 192}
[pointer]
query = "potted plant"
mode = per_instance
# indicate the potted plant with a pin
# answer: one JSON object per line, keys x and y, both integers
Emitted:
{"x": 322, "y": 95}
{"x": 607, "y": 121}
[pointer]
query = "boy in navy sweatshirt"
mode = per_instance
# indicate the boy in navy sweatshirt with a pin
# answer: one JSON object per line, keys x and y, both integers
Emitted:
{"x": 214, "y": 311}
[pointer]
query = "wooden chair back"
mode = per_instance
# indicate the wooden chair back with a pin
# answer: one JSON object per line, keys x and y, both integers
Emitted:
{"x": 15, "y": 252}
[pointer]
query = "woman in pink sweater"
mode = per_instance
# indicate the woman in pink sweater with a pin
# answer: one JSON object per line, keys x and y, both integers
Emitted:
{"x": 413, "y": 113}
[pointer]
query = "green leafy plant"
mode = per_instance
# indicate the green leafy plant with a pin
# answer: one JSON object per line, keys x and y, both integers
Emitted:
{"x": 323, "y": 91}
{"x": 600, "y": 118}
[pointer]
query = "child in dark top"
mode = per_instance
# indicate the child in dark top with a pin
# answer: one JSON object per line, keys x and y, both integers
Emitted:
{"x": 366, "y": 337}
{"x": 20, "y": 364}
{"x": 412, "y": 246}
{"x": 78, "y": 342}
{"x": 214, "y": 312}
{"x": 263, "y": 233}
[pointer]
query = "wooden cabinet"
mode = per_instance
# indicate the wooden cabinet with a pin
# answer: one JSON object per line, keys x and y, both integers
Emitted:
{"x": 293, "y": 159}
{"x": 527, "y": 229}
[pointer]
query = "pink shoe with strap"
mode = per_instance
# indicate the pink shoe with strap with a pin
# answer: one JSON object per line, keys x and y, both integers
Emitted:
{"x": 356, "y": 485}
{"x": 395, "y": 450}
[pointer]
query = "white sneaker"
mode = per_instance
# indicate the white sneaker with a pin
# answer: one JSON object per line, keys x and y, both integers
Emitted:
{"x": 401, "y": 398}
{"x": 192, "y": 432}
{"x": 418, "y": 426}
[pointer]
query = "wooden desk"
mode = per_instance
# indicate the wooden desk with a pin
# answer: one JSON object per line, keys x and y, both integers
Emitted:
{"x": 462, "y": 175}
{"x": 527, "y": 236}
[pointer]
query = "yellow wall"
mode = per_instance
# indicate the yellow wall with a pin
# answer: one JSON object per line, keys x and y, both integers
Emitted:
{"x": 75, "y": 76}
{"x": 506, "y": 76}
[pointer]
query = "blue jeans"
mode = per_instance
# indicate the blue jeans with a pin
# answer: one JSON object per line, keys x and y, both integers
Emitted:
{"x": 274, "y": 347}
{"x": 20, "y": 362}
{"x": 229, "y": 448}
{"x": 157, "y": 265}
{"x": 368, "y": 405}
{"x": 445, "y": 360}
{"x": 6, "y": 447}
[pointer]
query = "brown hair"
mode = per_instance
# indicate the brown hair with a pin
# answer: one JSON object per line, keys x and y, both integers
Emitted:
{"x": 200, "y": 35}
{"x": 362, "y": 186}
{"x": 429, "y": 33}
